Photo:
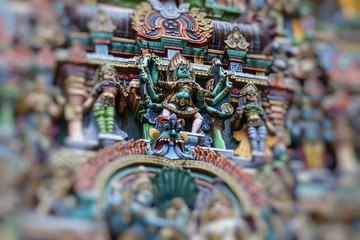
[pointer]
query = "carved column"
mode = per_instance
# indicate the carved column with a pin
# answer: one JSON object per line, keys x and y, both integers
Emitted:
{"x": 75, "y": 96}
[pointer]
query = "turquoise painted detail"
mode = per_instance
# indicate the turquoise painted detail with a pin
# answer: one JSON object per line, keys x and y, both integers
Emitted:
{"x": 258, "y": 63}
{"x": 125, "y": 47}
{"x": 236, "y": 53}
{"x": 99, "y": 35}
{"x": 83, "y": 41}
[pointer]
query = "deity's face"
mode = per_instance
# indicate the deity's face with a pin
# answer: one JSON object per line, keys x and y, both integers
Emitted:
{"x": 251, "y": 96}
{"x": 183, "y": 71}
{"x": 109, "y": 74}
{"x": 144, "y": 197}
{"x": 171, "y": 131}
{"x": 219, "y": 210}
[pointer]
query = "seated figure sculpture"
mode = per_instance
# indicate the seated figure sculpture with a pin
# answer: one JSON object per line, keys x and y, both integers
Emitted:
{"x": 135, "y": 217}
{"x": 185, "y": 95}
{"x": 180, "y": 93}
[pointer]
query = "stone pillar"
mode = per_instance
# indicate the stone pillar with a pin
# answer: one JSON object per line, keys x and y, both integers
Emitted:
{"x": 75, "y": 94}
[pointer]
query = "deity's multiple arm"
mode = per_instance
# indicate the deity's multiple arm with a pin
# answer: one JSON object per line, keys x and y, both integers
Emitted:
{"x": 236, "y": 119}
{"x": 151, "y": 105}
{"x": 147, "y": 79}
{"x": 149, "y": 75}
{"x": 107, "y": 98}
{"x": 220, "y": 91}
{"x": 204, "y": 99}
{"x": 89, "y": 102}
{"x": 223, "y": 86}
{"x": 200, "y": 99}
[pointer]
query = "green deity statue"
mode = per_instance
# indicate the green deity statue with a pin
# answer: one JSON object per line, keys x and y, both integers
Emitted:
{"x": 106, "y": 99}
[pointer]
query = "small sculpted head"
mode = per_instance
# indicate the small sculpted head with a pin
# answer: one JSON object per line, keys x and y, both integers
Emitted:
{"x": 179, "y": 67}
{"x": 108, "y": 72}
{"x": 250, "y": 92}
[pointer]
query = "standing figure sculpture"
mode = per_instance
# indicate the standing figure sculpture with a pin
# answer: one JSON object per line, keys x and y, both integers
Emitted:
{"x": 312, "y": 131}
{"x": 45, "y": 105}
{"x": 106, "y": 99}
{"x": 250, "y": 123}
{"x": 42, "y": 106}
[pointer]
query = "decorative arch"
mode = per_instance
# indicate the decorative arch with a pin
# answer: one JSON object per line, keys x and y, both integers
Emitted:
{"x": 108, "y": 171}
{"x": 94, "y": 174}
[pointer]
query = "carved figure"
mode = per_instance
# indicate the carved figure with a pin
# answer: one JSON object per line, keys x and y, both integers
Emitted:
{"x": 218, "y": 220}
{"x": 43, "y": 104}
{"x": 137, "y": 219}
{"x": 53, "y": 194}
{"x": 179, "y": 213}
{"x": 106, "y": 99}
{"x": 314, "y": 131}
{"x": 250, "y": 123}
{"x": 186, "y": 95}
{"x": 169, "y": 142}
{"x": 180, "y": 93}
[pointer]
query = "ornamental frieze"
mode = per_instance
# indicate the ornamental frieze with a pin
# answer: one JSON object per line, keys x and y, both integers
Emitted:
{"x": 154, "y": 20}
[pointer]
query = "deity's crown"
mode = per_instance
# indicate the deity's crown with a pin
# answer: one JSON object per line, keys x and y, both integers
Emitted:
{"x": 140, "y": 170}
{"x": 107, "y": 66}
{"x": 176, "y": 60}
{"x": 142, "y": 182}
{"x": 218, "y": 196}
{"x": 249, "y": 88}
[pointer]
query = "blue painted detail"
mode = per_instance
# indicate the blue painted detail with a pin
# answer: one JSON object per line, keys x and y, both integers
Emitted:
{"x": 207, "y": 141}
{"x": 150, "y": 116}
{"x": 189, "y": 28}
{"x": 188, "y": 22}
{"x": 153, "y": 25}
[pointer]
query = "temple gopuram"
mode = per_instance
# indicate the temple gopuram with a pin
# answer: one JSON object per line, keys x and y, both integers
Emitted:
{"x": 180, "y": 119}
